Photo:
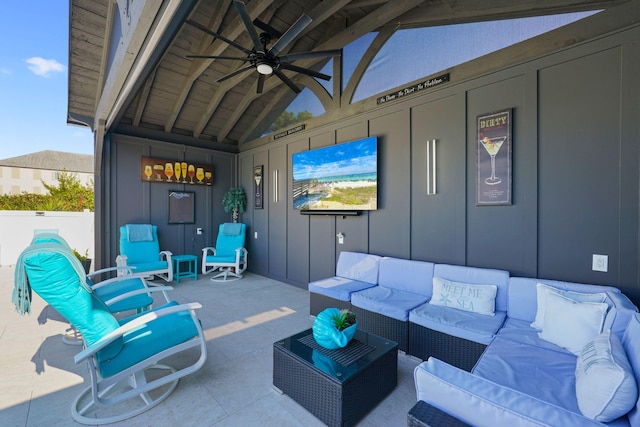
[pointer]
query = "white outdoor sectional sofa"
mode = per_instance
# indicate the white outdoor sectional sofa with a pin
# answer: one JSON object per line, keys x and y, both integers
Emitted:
{"x": 502, "y": 350}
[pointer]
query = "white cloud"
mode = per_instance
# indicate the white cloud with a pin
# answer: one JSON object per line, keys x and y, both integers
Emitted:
{"x": 44, "y": 67}
{"x": 5, "y": 71}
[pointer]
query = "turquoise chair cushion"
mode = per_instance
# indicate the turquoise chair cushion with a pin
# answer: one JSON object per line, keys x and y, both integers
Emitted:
{"x": 139, "y": 252}
{"x": 149, "y": 266}
{"x": 52, "y": 275}
{"x": 148, "y": 340}
{"x": 221, "y": 259}
{"x": 226, "y": 244}
{"x": 112, "y": 290}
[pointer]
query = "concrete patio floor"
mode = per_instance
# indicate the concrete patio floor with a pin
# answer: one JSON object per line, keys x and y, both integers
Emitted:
{"x": 241, "y": 319}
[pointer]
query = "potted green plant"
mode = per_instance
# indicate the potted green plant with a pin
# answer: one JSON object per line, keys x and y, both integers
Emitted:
{"x": 334, "y": 328}
{"x": 235, "y": 202}
{"x": 84, "y": 259}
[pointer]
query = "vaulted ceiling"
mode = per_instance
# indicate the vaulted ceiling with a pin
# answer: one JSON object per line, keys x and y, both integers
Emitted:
{"x": 131, "y": 65}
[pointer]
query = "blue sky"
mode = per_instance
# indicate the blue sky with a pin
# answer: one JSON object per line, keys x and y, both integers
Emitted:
{"x": 33, "y": 80}
{"x": 355, "y": 157}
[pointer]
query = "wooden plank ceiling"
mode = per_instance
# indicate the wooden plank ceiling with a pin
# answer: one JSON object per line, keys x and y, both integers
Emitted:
{"x": 181, "y": 96}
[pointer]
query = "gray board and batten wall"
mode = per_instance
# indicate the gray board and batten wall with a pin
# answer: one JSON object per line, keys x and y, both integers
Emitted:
{"x": 575, "y": 173}
{"x": 128, "y": 199}
{"x": 575, "y": 163}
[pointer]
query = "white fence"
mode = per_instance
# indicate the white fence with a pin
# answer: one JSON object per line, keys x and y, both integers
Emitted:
{"x": 17, "y": 228}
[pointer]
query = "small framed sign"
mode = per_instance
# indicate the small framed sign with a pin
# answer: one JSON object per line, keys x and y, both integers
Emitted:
{"x": 182, "y": 207}
{"x": 258, "y": 186}
{"x": 493, "y": 154}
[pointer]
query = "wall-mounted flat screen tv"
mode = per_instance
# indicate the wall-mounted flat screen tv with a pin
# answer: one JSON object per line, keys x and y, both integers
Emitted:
{"x": 342, "y": 177}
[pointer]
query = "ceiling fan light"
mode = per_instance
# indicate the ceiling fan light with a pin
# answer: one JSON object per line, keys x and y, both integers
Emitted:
{"x": 265, "y": 69}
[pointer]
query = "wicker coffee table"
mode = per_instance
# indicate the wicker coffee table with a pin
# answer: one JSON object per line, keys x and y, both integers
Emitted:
{"x": 337, "y": 386}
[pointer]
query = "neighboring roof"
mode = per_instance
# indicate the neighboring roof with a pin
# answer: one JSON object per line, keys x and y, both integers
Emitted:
{"x": 52, "y": 160}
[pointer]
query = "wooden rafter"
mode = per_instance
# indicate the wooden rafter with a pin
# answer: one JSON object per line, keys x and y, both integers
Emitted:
{"x": 199, "y": 66}
{"x": 355, "y": 31}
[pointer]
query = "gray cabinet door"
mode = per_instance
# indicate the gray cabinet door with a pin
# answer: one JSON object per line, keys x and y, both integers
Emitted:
{"x": 277, "y": 197}
{"x": 438, "y": 220}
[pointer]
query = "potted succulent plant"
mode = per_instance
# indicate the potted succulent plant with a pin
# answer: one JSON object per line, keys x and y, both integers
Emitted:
{"x": 84, "y": 259}
{"x": 235, "y": 202}
{"x": 334, "y": 328}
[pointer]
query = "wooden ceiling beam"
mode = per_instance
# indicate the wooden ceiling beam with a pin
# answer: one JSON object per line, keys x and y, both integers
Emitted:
{"x": 199, "y": 66}
{"x": 319, "y": 14}
{"x": 365, "y": 25}
{"x": 283, "y": 91}
{"x": 143, "y": 96}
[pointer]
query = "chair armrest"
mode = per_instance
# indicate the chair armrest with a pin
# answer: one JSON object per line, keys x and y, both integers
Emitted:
{"x": 140, "y": 291}
{"x": 479, "y": 402}
{"x": 141, "y": 276}
{"x": 135, "y": 323}
{"x": 128, "y": 269}
{"x": 208, "y": 249}
{"x": 167, "y": 255}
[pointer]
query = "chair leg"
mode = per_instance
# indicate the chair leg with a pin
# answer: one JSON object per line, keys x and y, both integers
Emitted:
{"x": 72, "y": 337}
{"x": 122, "y": 393}
{"x": 223, "y": 275}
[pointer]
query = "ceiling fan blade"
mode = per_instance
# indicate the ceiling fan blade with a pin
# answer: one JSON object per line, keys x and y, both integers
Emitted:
{"x": 218, "y": 57}
{"x": 291, "y": 34}
{"x": 235, "y": 73}
{"x": 260, "y": 83}
{"x": 305, "y": 71}
{"x": 287, "y": 81}
{"x": 275, "y": 34}
{"x": 244, "y": 15}
{"x": 219, "y": 36}
{"x": 309, "y": 55}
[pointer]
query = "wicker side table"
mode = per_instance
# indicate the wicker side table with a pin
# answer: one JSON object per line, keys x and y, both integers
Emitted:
{"x": 337, "y": 394}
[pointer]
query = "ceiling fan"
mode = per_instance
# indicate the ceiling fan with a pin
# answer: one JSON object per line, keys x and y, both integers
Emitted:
{"x": 266, "y": 60}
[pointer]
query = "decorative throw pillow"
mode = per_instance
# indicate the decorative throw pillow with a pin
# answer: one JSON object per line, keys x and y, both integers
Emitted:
{"x": 541, "y": 299}
{"x": 605, "y": 386}
{"x": 571, "y": 324}
{"x": 479, "y": 299}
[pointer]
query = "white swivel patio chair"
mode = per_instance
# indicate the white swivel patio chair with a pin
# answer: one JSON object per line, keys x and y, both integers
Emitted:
{"x": 123, "y": 293}
{"x": 229, "y": 257}
{"x": 124, "y": 357}
{"x": 140, "y": 249}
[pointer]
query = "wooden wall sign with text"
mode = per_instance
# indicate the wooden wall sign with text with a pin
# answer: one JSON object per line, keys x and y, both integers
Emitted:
{"x": 175, "y": 172}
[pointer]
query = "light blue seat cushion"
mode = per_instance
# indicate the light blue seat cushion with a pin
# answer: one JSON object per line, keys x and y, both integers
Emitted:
{"x": 523, "y": 301}
{"x": 338, "y": 287}
{"x": 406, "y": 275}
{"x": 544, "y": 373}
{"x": 475, "y": 327}
{"x": 481, "y": 402}
{"x": 631, "y": 345}
{"x": 148, "y": 340}
{"x": 355, "y": 271}
{"x": 478, "y": 276}
{"x": 358, "y": 266}
{"x": 386, "y": 301}
{"x": 521, "y": 331}
{"x": 112, "y": 290}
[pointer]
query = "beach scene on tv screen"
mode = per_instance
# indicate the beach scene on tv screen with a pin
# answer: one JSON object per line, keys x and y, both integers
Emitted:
{"x": 338, "y": 177}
